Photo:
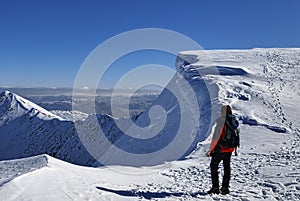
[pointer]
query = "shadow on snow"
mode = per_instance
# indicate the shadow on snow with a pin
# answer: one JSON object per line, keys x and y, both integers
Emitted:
{"x": 149, "y": 195}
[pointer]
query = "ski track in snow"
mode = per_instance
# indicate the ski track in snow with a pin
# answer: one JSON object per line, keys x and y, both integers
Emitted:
{"x": 267, "y": 168}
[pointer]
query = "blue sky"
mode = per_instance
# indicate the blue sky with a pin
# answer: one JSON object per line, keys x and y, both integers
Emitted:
{"x": 43, "y": 43}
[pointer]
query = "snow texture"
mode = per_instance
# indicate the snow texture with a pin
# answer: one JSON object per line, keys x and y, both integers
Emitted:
{"x": 262, "y": 86}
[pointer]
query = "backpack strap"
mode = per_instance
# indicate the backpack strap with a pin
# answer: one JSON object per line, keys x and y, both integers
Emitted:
{"x": 229, "y": 126}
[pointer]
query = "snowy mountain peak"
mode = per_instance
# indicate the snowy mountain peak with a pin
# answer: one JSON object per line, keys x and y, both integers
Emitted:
{"x": 13, "y": 106}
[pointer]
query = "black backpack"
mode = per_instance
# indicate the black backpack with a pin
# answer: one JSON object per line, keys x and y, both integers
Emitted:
{"x": 231, "y": 137}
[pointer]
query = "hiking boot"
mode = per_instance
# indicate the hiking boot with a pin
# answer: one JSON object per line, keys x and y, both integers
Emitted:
{"x": 213, "y": 191}
{"x": 224, "y": 191}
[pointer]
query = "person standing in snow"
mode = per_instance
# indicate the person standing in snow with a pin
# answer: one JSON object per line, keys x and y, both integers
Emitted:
{"x": 220, "y": 153}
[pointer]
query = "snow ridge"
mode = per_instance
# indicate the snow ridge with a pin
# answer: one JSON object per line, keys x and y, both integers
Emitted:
{"x": 262, "y": 86}
{"x": 13, "y": 168}
{"x": 13, "y": 106}
{"x": 28, "y": 130}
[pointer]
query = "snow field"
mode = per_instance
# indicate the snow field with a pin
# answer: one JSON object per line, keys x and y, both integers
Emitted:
{"x": 260, "y": 84}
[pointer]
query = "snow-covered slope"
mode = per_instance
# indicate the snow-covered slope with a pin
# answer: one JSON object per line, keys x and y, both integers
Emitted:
{"x": 181, "y": 116}
{"x": 28, "y": 130}
{"x": 262, "y": 85}
{"x": 258, "y": 83}
{"x": 13, "y": 106}
{"x": 262, "y": 171}
{"x": 13, "y": 168}
{"x": 70, "y": 115}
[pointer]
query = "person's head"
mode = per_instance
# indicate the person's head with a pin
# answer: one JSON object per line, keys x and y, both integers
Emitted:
{"x": 226, "y": 109}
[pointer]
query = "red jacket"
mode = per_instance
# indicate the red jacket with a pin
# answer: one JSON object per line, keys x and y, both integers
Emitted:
{"x": 215, "y": 147}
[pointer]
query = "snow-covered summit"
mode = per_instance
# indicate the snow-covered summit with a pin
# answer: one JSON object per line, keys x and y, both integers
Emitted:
{"x": 13, "y": 106}
{"x": 257, "y": 83}
{"x": 27, "y": 129}
{"x": 262, "y": 86}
